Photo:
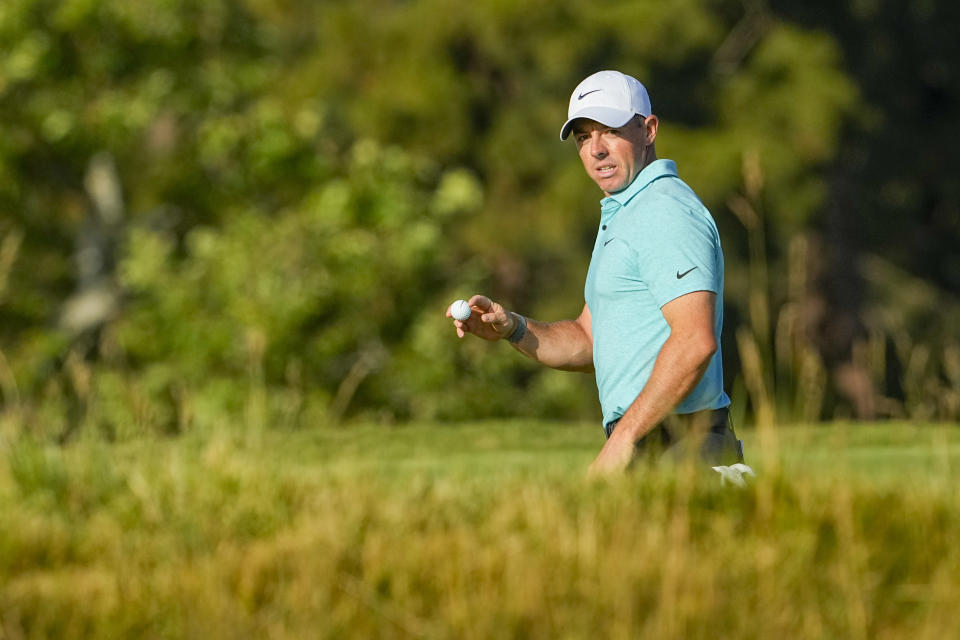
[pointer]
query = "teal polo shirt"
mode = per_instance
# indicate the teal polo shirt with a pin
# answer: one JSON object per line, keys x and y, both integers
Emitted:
{"x": 656, "y": 242}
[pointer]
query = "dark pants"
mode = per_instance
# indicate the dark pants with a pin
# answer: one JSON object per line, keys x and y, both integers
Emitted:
{"x": 708, "y": 434}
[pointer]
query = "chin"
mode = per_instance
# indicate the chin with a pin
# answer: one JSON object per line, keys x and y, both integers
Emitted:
{"x": 614, "y": 188}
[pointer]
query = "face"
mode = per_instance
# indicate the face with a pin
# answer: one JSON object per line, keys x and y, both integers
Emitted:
{"x": 613, "y": 156}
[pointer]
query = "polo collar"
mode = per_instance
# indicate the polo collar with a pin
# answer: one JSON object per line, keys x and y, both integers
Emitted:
{"x": 654, "y": 170}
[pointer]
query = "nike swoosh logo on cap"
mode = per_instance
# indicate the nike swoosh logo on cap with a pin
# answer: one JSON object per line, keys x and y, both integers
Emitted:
{"x": 584, "y": 95}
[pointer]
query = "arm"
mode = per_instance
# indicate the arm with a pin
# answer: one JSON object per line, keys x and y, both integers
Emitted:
{"x": 567, "y": 344}
{"x": 681, "y": 363}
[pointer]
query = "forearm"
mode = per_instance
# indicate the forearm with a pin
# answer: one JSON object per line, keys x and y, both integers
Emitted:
{"x": 566, "y": 345}
{"x": 560, "y": 345}
{"x": 677, "y": 372}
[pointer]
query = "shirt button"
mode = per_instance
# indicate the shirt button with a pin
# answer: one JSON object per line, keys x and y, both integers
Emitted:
{"x": 604, "y": 227}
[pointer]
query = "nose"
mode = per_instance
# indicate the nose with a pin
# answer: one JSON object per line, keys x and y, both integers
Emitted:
{"x": 597, "y": 148}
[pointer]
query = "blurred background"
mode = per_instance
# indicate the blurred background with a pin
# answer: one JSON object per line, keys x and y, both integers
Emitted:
{"x": 254, "y": 213}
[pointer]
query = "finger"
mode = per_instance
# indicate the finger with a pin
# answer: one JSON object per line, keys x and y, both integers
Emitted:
{"x": 464, "y": 327}
{"x": 499, "y": 318}
{"x": 482, "y": 303}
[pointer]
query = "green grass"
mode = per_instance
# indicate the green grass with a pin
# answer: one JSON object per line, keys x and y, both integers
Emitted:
{"x": 478, "y": 531}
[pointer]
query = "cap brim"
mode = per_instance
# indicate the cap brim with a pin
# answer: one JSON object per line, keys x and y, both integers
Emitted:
{"x": 603, "y": 115}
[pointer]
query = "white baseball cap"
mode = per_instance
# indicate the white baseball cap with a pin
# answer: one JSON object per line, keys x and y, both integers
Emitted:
{"x": 609, "y": 97}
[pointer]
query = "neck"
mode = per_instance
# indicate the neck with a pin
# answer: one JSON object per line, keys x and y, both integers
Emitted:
{"x": 649, "y": 155}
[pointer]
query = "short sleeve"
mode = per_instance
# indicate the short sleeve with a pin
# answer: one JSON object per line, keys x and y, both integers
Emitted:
{"x": 677, "y": 251}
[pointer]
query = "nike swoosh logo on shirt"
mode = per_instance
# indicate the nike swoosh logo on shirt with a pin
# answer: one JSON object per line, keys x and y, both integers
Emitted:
{"x": 611, "y": 240}
{"x": 680, "y": 275}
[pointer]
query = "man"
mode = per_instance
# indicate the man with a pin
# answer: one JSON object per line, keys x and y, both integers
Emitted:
{"x": 652, "y": 320}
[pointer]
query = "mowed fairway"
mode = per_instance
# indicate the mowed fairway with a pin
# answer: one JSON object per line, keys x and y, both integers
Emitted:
{"x": 479, "y": 531}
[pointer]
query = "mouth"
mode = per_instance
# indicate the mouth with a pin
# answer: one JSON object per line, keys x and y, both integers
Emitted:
{"x": 606, "y": 170}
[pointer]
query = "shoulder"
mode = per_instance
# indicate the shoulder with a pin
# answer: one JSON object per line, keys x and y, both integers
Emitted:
{"x": 670, "y": 193}
{"x": 663, "y": 222}
{"x": 669, "y": 204}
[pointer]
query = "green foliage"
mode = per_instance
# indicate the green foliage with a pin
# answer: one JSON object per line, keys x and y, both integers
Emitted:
{"x": 790, "y": 115}
{"x": 301, "y": 296}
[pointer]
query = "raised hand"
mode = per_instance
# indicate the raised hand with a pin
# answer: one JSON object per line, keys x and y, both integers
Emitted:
{"x": 489, "y": 320}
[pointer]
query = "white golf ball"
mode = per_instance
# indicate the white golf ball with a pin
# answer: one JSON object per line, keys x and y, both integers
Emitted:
{"x": 460, "y": 310}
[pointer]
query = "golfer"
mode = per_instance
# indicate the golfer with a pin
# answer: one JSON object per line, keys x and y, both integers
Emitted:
{"x": 651, "y": 324}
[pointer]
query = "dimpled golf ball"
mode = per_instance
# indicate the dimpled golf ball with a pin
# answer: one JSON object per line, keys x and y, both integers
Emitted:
{"x": 460, "y": 310}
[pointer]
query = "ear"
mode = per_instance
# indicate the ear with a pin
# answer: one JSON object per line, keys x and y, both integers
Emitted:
{"x": 650, "y": 126}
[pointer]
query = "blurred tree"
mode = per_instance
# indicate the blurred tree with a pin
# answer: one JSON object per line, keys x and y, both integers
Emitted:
{"x": 306, "y": 186}
{"x": 892, "y": 193}
{"x": 311, "y": 297}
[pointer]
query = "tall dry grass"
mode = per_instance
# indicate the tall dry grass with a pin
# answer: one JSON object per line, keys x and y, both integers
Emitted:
{"x": 903, "y": 361}
{"x": 476, "y": 532}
